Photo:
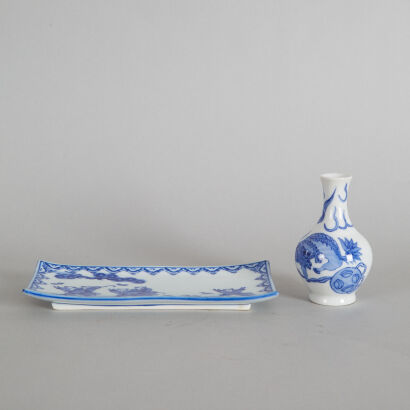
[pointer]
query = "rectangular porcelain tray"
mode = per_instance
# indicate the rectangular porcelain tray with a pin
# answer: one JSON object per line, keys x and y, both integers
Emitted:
{"x": 151, "y": 285}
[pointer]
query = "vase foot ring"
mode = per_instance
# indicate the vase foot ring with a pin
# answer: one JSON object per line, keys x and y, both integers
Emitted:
{"x": 333, "y": 300}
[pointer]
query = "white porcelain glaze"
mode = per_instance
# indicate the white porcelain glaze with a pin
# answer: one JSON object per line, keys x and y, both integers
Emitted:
{"x": 152, "y": 285}
{"x": 70, "y": 307}
{"x": 333, "y": 258}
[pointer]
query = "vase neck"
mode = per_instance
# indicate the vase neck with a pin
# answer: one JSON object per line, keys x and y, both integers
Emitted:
{"x": 335, "y": 214}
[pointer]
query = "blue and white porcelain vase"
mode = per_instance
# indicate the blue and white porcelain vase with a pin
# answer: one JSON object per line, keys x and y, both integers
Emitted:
{"x": 334, "y": 258}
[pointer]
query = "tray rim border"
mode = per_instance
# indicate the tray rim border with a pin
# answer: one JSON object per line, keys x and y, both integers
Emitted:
{"x": 47, "y": 296}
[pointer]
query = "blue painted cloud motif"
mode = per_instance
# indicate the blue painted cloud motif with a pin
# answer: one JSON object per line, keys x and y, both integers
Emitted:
{"x": 337, "y": 224}
{"x": 78, "y": 290}
{"x": 138, "y": 291}
{"x": 326, "y": 204}
{"x": 233, "y": 292}
{"x": 345, "y": 198}
{"x": 339, "y": 219}
{"x": 112, "y": 276}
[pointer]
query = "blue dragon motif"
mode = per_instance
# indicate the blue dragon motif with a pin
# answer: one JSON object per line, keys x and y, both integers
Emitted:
{"x": 320, "y": 245}
{"x": 313, "y": 247}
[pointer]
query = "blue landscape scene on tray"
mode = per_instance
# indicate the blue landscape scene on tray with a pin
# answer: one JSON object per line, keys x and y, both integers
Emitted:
{"x": 68, "y": 280}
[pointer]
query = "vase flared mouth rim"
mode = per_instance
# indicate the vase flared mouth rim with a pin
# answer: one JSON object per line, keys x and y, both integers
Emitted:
{"x": 336, "y": 176}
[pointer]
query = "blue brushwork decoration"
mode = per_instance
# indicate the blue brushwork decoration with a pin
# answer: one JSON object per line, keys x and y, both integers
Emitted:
{"x": 98, "y": 276}
{"x": 135, "y": 285}
{"x": 347, "y": 280}
{"x": 345, "y": 198}
{"x": 233, "y": 292}
{"x": 326, "y": 204}
{"x": 48, "y": 267}
{"x": 337, "y": 225}
{"x": 315, "y": 246}
{"x": 79, "y": 290}
{"x": 137, "y": 291}
{"x": 320, "y": 246}
{"x": 334, "y": 258}
{"x": 351, "y": 248}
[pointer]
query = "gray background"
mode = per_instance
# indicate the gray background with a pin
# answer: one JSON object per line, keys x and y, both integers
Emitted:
{"x": 194, "y": 132}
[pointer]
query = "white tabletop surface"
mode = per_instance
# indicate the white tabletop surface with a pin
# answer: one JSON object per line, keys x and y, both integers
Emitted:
{"x": 287, "y": 353}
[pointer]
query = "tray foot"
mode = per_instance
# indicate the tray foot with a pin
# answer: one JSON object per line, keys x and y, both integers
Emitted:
{"x": 67, "y": 306}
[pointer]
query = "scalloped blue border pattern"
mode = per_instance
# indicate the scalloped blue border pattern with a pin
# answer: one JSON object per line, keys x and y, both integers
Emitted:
{"x": 260, "y": 267}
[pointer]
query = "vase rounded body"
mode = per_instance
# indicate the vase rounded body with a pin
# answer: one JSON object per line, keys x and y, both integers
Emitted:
{"x": 334, "y": 258}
